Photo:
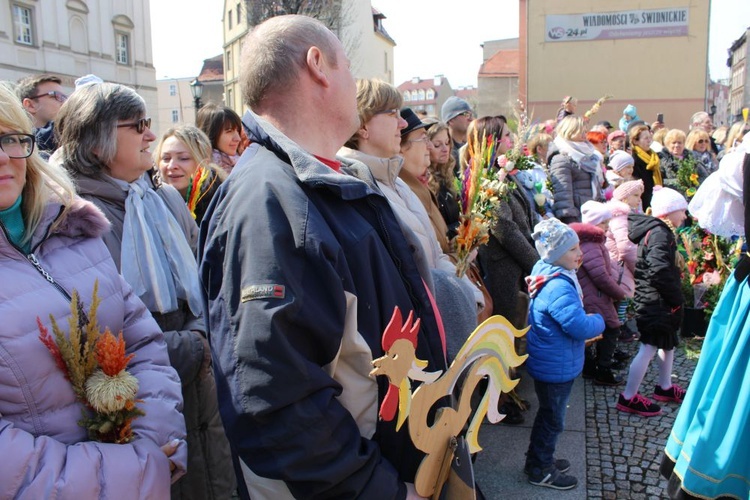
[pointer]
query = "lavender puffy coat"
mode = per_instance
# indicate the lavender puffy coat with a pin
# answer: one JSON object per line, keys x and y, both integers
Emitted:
{"x": 622, "y": 251}
{"x": 599, "y": 286}
{"x": 45, "y": 452}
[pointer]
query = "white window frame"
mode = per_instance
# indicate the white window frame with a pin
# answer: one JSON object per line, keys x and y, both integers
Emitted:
{"x": 172, "y": 89}
{"x": 122, "y": 53}
{"x": 175, "y": 115}
{"x": 23, "y": 25}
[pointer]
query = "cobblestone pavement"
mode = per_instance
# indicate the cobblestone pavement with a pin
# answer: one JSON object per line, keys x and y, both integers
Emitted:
{"x": 623, "y": 450}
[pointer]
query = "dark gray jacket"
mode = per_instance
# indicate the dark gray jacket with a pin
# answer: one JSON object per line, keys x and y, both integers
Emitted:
{"x": 210, "y": 471}
{"x": 572, "y": 186}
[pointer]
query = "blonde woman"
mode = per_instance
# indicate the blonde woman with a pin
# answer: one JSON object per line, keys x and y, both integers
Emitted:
{"x": 699, "y": 142}
{"x": 672, "y": 155}
{"x": 442, "y": 175}
{"x": 575, "y": 170}
{"x": 734, "y": 138}
{"x": 183, "y": 157}
{"x": 47, "y": 454}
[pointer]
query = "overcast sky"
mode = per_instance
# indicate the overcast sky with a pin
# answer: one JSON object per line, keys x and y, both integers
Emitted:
{"x": 431, "y": 38}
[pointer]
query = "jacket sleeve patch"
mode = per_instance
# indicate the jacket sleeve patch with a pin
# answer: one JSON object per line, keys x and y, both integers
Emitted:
{"x": 254, "y": 292}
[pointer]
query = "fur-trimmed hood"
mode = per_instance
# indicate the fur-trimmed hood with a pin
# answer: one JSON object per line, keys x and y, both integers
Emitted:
{"x": 83, "y": 219}
{"x": 589, "y": 232}
{"x": 618, "y": 208}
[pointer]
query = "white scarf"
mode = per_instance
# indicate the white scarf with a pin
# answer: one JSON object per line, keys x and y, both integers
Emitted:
{"x": 587, "y": 158}
{"x": 156, "y": 259}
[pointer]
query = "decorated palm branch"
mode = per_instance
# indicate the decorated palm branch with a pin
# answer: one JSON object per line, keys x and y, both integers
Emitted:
{"x": 488, "y": 353}
{"x": 595, "y": 108}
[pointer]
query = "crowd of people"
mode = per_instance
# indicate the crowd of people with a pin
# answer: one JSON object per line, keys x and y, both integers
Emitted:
{"x": 253, "y": 263}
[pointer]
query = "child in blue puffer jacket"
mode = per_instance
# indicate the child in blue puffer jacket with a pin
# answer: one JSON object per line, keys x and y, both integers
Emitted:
{"x": 555, "y": 344}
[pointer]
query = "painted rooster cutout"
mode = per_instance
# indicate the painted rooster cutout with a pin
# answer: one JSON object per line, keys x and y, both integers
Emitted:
{"x": 488, "y": 352}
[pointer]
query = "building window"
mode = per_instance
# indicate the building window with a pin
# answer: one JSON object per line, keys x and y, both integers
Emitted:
{"x": 239, "y": 14}
{"x": 122, "y": 47}
{"x": 230, "y": 101}
{"x": 407, "y": 95}
{"x": 229, "y": 17}
{"x": 414, "y": 95}
{"x": 175, "y": 115}
{"x": 421, "y": 94}
{"x": 430, "y": 94}
{"x": 22, "y": 24}
{"x": 229, "y": 59}
{"x": 172, "y": 89}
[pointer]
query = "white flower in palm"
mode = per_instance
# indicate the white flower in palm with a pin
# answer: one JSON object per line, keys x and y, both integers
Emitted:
{"x": 108, "y": 394}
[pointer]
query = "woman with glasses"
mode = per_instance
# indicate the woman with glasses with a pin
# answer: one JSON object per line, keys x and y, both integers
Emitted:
{"x": 105, "y": 144}
{"x": 184, "y": 160}
{"x": 50, "y": 247}
{"x": 699, "y": 142}
{"x": 377, "y": 144}
{"x": 415, "y": 150}
{"x": 673, "y": 156}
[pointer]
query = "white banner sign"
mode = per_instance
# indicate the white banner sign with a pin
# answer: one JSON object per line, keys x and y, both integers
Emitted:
{"x": 614, "y": 25}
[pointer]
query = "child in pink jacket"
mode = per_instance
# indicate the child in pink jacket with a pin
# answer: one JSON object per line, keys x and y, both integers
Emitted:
{"x": 626, "y": 199}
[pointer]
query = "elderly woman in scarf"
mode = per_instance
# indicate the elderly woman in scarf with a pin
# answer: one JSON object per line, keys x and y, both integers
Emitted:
{"x": 104, "y": 143}
{"x": 646, "y": 164}
{"x": 575, "y": 169}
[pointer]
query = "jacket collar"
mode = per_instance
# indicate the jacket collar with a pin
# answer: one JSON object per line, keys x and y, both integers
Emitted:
{"x": 83, "y": 220}
{"x": 385, "y": 170}
{"x": 308, "y": 169}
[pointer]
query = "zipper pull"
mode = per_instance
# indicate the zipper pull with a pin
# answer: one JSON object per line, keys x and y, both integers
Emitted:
{"x": 32, "y": 258}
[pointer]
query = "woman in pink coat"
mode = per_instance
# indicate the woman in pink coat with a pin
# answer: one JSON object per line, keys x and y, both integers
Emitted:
{"x": 50, "y": 246}
{"x": 626, "y": 199}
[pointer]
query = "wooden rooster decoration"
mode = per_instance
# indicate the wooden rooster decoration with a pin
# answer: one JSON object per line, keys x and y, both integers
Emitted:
{"x": 488, "y": 352}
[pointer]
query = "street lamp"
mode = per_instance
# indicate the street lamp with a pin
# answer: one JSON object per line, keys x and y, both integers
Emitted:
{"x": 196, "y": 88}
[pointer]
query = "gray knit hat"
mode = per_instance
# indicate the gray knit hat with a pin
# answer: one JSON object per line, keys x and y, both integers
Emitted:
{"x": 452, "y": 107}
{"x": 552, "y": 239}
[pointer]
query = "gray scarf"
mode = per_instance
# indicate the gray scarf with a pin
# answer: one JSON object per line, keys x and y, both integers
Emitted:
{"x": 156, "y": 259}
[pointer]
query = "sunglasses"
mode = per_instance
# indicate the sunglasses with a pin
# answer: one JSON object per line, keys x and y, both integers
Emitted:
{"x": 468, "y": 114}
{"x": 58, "y": 96}
{"x": 702, "y": 141}
{"x": 140, "y": 126}
{"x": 17, "y": 145}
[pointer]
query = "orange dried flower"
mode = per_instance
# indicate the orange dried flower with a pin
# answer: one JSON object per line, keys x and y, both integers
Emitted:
{"x": 110, "y": 354}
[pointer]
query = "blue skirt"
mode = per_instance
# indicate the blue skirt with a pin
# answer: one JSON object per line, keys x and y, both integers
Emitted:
{"x": 709, "y": 445}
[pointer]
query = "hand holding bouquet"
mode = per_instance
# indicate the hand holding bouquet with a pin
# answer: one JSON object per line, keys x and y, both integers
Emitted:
{"x": 95, "y": 364}
{"x": 480, "y": 187}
